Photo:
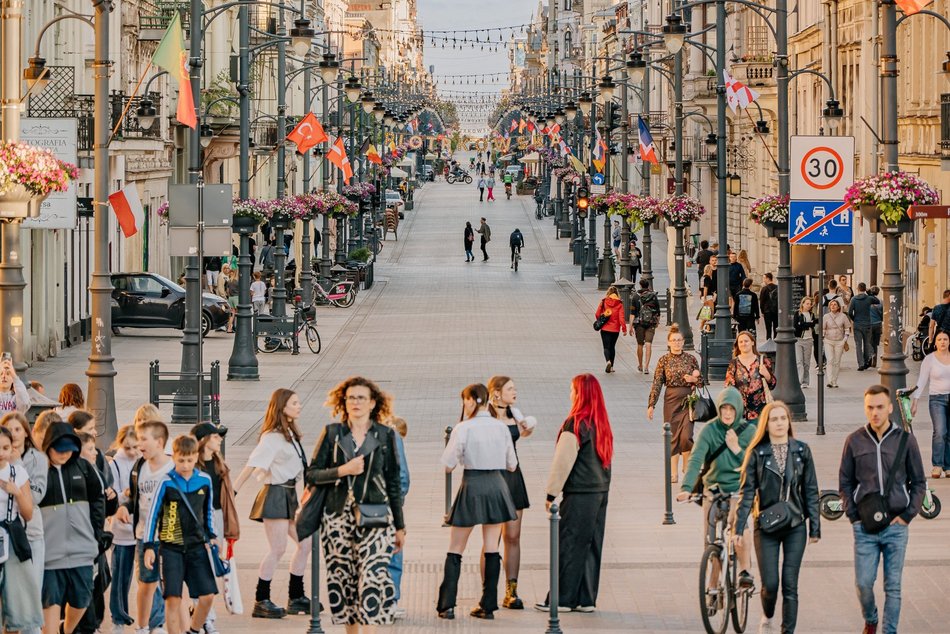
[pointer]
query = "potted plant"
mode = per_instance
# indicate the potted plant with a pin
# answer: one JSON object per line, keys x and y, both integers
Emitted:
{"x": 359, "y": 255}
{"x": 248, "y": 214}
{"x": 681, "y": 210}
{"x": 285, "y": 210}
{"x": 162, "y": 213}
{"x": 884, "y": 199}
{"x": 28, "y": 175}
{"x": 771, "y": 212}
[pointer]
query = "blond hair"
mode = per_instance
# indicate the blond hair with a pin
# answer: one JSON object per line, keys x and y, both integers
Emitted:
{"x": 146, "y": 412}
{"x": 399, "y": 424}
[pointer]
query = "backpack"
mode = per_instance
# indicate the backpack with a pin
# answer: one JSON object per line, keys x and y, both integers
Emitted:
{"x": 744, "y": 305}
{"x": 649, "y": 315}
{"x": 770, "y": 299}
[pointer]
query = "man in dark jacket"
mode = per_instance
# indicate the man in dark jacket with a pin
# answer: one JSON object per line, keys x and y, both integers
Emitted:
{"x": 736, "y": 274}
{"x": 870, "y": 453}
{"x": 768, "y": 304}
{"x": 73, "y": 518}
{"x": 745, "y": 307}
{"x": 859, "y": 311}
{"x": 702, "y": 258}
{"x": 877, "y": 324}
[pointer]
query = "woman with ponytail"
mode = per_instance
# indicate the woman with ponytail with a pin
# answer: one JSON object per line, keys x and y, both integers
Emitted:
{"x": 581, "y": 475}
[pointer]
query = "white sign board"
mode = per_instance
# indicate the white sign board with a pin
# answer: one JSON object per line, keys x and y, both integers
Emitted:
{"x": 822, "y": 167}
{"x": 60, "y": 137}
{"x": 598, "y": 189}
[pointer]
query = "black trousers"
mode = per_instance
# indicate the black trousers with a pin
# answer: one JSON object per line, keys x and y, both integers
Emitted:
{"x": 484, "y": 242}
{"x": 771, "y": 324}
{"x": 581, "y": 547}
{"x": 609, "y": 340}
{"x": 481, "y": 194}
{"x": 792, "y": 543}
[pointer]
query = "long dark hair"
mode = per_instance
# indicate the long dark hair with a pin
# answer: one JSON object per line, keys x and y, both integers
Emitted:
{"x": 478, "y": 393}
{"x": 589, "y": 410}
{"x": 735, "y": 344}
{"x": 276, "y": 420}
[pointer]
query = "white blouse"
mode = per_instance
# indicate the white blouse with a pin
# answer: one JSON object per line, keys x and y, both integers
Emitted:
{"x": 483, "y": 443}
{"x": 934, "y": 376}
{"x": 282, "y": 460}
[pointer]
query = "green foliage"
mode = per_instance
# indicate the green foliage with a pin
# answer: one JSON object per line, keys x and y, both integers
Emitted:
{"x": 360, "y": 255}
{"x": 220, "y": 87}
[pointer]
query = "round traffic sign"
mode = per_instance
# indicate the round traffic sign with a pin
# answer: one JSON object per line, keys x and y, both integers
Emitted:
{"x": 822, "y": 167}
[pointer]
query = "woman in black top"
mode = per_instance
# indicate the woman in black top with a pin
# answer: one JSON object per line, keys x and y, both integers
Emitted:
{"x": 357, "y": 460}
{"x": 581, "y": 474}
{"x": 469, "y": 242}
{"x": 778, "y": 469}
{"x": 804, "y": 323}
{"x": 502, "y": 398}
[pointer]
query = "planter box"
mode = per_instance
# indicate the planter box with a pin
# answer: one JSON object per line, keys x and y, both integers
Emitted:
{"x": 904, "y": 226}
{"x": 776, "y": 229}
{"x": 280, "y": 221}
{"x": 244, "y": 224}
{"x": 20, "y": 203}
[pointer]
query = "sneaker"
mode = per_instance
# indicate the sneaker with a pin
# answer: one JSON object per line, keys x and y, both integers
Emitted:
{"x": 267, "y": 609}
{"x": 118, "y": 628}
{"x": 936, "y": 472}
{"x": 585, "y": 609}
{"x": 141, "y": 630}
{"x": 542, "y": 606}
{"x": 804, "y": 386}
{"x": 158, "y": 630}
{"x": 869, "y": 628}
{"x": 210, "y": 628}
{"x": 481, "y": 613}
{"x": 300, "y": 605}
{"x": 400, "y": 613}
{"x": 610, "y": 367}
{"x": 746, "y": 580}
{"x": 765, "y": 626}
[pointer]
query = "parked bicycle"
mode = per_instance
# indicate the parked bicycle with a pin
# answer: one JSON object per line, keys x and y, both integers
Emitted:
{"x": 305, "y": 319}
{"x": 340, "y": 293}
{"x": 720, "y": 595}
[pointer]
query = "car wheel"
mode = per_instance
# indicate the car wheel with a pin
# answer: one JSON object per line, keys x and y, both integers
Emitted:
{"x": 115, "y": 331}
{"x": 205, "y": 324}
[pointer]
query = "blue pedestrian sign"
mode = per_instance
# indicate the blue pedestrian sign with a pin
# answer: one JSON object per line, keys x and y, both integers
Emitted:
{"x": 819, "y": 222}
{"x": 598, "y": 179}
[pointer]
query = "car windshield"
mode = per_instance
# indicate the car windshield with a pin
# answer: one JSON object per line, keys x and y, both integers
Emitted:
{"x": 167, "y": 282}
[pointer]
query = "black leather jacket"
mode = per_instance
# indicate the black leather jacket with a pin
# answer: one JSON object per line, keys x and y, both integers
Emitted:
{"x": 763, "y": 480}
{"x": 378, "y": 484}
{"x": 801, "y": 325}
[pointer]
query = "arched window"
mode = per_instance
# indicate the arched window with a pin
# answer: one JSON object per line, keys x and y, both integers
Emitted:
{"x": 568, "y": 41}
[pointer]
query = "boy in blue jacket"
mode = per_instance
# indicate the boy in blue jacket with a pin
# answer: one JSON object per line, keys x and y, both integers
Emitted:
{"x": 179, "y": 529}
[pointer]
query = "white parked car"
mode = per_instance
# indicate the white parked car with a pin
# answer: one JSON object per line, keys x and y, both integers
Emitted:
{"x": 394, "y": 200}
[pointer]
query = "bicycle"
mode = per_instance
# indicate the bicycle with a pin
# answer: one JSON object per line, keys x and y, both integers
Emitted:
{"x": 340, "y": 293}
{"x": 719, "y": 593}
{"x": 516, "y": 258}
{"x": 306, "y": 319}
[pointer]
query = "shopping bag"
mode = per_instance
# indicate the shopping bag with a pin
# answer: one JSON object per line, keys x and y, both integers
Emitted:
{"x": 232, "y": 590}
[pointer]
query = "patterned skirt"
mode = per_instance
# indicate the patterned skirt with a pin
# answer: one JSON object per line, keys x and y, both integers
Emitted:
{"x": 359, "y": 587}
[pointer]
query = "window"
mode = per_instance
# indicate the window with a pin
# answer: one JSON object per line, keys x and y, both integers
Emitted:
{"x": 147, "y": 285}
{"x": 945, "y": 126}
{"x": 568, "y": 5}
{"x": 568, "y": 41}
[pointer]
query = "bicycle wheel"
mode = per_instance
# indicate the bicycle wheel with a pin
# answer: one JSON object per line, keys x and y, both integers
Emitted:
{"x": 379, "y": 247}
{"x": 313, "y": 338}
{"x": 739, "y": 605}
{"x": 266, "y": 343}
{"x": 347, "y": 300}
{"x": 517, "y": 259}
{"x": 713, "y": 591}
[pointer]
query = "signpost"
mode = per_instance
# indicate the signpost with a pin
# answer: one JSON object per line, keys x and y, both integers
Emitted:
{"x": 59, "y": 136}
{"x": 822, "y": 167}
{"x": 929, "y": 211}
{"x": 819, "y": 222}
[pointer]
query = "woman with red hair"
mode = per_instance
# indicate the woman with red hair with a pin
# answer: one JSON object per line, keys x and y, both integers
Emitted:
{"x": 580, "y": 474}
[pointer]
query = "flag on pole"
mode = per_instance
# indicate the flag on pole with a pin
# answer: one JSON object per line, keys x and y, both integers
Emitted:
{"x": 554, "y": 130}
{"x": 522, "y": 124}
{"x": 565, "y": 148}
{"x": 128, "y": 209}
{"x": 369, "y": 151}
{"x": 307, "y": 133}
{"x": 647, "y": 147}
{"x": 600, "y": 152}
{"x": 577, "y": 164}
{"x": 171, "y": 56}
{"x": 337, "y": 156}
{"x": 738, "y": 95}
{"x": 514, "y": 126}
{"x": 910, "y": 7}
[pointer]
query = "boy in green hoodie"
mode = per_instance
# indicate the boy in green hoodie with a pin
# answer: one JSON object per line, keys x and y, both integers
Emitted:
{"x": 724, "y": 470}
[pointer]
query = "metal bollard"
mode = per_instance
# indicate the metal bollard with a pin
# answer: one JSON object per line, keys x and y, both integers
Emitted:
{"x": 448, "y": 484}
{"x": 315, "y": 627}
{"x": 667, "y": 463}
{"x": 554, "y": 623}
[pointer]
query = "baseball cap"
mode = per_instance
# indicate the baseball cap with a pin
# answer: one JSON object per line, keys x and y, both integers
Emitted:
{"x": 203, "y": 430}
{"x": 66, "y": 443}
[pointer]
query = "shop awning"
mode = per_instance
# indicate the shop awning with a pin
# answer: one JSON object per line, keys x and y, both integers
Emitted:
{"x": 530, "y": 158}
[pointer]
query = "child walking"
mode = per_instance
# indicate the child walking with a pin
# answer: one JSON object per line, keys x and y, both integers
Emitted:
{"x": 123, "y": 542}
{"x": 395, "y": 564}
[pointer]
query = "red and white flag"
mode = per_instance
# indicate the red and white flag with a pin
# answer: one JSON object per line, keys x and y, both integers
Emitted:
{"x": 910, "y": 7}
{"x": 307, "y": 133}
{"x": 128, "y": 209}
{"x": 738, "y": 95}
{"x": 337, "y": 156}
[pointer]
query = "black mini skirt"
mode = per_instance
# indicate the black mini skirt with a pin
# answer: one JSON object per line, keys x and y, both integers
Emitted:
{"x": 483, "y": 498}
{"x": 276, "y": 502}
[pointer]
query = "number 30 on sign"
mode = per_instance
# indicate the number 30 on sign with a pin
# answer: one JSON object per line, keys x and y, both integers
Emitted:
{"x": 822, "y": 167}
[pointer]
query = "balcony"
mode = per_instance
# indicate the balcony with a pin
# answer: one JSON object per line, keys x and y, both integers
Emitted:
{"x": 156, "y": 16}
{"x": 755, "y": 73}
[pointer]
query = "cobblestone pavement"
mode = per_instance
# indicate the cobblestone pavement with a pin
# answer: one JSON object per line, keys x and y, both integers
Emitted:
{"x": 434, "y": 323}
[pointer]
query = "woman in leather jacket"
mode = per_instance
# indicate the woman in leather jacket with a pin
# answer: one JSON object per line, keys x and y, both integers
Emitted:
{"x": 362, "y": 523}
{"x": 778, "y": 474}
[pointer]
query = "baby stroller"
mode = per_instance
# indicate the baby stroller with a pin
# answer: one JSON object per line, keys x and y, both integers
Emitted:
{"x": 919, "y": 345}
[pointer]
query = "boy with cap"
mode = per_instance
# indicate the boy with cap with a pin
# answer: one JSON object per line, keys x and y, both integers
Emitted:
{"x": 73, "y": 516}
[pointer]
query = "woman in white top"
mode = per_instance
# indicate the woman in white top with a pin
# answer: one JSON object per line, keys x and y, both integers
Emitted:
{"x": 482, "y": 445}
{"x": 278, "y": 462}
{"x": 935, "y": 378}
{"x": 835, "y": 330}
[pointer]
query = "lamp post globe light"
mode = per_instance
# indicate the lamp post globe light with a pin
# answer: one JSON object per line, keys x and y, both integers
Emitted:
{"x": 674, "y": 33}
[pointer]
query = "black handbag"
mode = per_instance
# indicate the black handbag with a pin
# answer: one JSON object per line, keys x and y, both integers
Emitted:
{"x": 369, "y": 515}
{"x": 601, "y": 321}
{"x": 780, "y": 516}
{"x": 15, "y": 527}
{"x": 873, "y": 509}
{"x": 704, "y": 408}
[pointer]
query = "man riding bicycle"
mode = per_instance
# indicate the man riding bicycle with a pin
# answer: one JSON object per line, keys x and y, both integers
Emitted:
{"x": 717, "y": 458}
{"x": 508, "y": 179}
{"x": 517, "y": 242}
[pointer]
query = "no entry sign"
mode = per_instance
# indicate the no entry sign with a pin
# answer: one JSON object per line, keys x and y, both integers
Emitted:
{"x": 822, "y": 167}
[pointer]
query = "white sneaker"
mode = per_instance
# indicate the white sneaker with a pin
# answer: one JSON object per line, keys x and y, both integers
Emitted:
{"x": 118, "y": 628}
{"x": 210, "y": 627}
{"x": 400, "y": 613}
{"x": 158, "y": 630}
{"x": 765, "y": 626}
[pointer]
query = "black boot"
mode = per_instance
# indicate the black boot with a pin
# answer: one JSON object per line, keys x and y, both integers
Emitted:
{"x": 448, "y": 591}
{"x": 489, "y": 603}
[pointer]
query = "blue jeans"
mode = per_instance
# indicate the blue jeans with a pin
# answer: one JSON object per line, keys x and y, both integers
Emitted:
{"x": 123, "y": 560}
{"x": 868, "y": 549}
{"x": 939, "y": 413}
{"x": 395, "y": 571}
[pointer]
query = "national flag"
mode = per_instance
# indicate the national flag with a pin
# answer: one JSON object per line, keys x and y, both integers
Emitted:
{"x": 554, "y": 130}
{"x": 531, "y": 126}
{"x": 171, "y": 56}
{"x": 544, "y": 130}
{"x": 647, "y": 147}
{"x": 577, "y": 164}
{"x": 514, "y": 126}
{"x": 337, "y": 156}
{"x": 910, "y": 7}
{"x": 565, "y": 148}
{"x": 600, "y": 152}
{"x": 522, "y": 124}
{"x": 738, "y": 95}
{"x": 307, "y": 133}
{"x": 128, "y": 209}
{"x": 369, "y": 151}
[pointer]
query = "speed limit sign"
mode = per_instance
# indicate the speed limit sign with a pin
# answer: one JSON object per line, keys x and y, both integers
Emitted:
{"x": 822, "y": 167}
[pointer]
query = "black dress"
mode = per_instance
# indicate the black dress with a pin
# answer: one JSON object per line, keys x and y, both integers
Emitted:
{"x": 515, "y": 479}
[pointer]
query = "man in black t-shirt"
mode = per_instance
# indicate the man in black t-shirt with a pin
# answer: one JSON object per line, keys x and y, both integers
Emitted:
{"x": 703, "y": 257}
{"x": 940, "y": 318}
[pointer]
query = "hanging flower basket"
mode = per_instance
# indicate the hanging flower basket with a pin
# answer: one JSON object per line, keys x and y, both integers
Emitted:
{"x": 18, "y": 202}
{"x": 772, "y": 213}
{"x": 681, "y": 211}
{"x": 359, "y": 191}
{"x": 884, "y": 199}
{"x": 28, "y": 175}
{"x": 162, "y": 213}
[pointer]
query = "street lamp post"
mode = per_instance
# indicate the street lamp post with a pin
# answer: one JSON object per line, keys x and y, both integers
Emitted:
{"x": 641, "y": 61}
{"x": 305, "y": 268}
{"x": 590, "y": 253}
{"x": 280, "y": 254}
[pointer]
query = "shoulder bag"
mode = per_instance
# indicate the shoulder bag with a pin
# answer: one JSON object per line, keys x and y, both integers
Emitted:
{"x": 780, "y": 516}
{"x": 315, "y": 499}
{"x": 765, "y": 384}
{"x": 603, "y": 319}
{"x": 219, "y": 566}
{"x": 873, "y": 509}
{"x": 15, "y": 528}
{"x": 368, "y": 515}
{"x": 704, "y": 408}
{"x": 699, "y": 487}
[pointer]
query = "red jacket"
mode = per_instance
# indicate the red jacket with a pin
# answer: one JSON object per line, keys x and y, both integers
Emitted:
{"x": 613, "y": 307}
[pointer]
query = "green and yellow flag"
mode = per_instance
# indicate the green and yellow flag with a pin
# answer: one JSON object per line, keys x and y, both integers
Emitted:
{"x": 172, "y": 57}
